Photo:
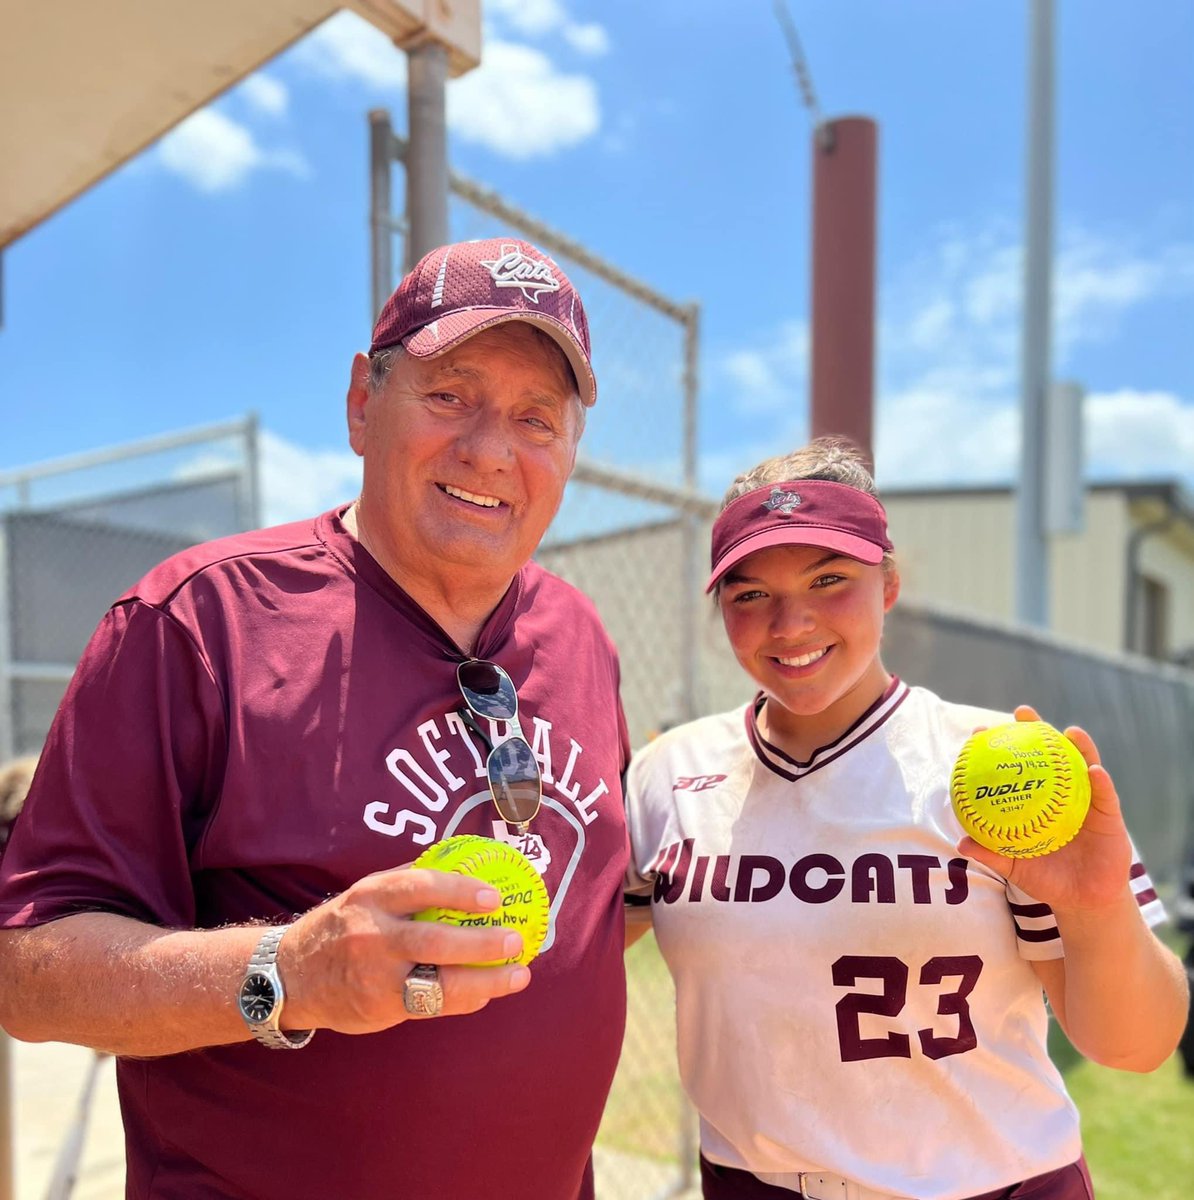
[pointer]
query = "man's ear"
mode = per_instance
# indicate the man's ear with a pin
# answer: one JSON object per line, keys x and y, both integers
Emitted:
{"x": 357, "y": 401}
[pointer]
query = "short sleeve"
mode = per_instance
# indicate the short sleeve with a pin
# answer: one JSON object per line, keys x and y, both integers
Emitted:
{"x": 640, "y": 795}
{"x": 127, "y": 781}
{"x": 1037, "y": 935}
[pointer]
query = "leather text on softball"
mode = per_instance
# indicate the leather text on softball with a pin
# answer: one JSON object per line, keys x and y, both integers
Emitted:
{"x": 814, "y": 878}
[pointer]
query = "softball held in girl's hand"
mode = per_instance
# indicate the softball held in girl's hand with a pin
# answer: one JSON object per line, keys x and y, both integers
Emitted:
{"x": 525, "y": 906}
{"x": 1020, "y": 789}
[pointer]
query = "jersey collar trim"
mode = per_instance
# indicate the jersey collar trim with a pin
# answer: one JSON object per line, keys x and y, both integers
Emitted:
{"x": 788, "y": 768}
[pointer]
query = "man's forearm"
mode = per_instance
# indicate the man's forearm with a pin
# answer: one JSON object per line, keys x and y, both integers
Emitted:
{"x": 115, "y": 984}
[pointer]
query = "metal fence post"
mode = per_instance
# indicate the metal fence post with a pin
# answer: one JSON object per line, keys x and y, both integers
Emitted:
{"x": 8, "y": 712}
{"x": 686, "y": 1134}
{"x": 7, "y": 1171}
{"x": 381, "y": 155}
{"x": 620, "y": 533}
{"x": 254, "y": 515}
{"x": 427, "y": 159}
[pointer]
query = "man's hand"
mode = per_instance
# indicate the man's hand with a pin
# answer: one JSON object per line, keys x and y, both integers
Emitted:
{"x": 344, "y": 963}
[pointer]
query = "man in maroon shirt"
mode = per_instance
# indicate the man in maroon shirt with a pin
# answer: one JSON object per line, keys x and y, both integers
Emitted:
{"x": 263, "y": 732}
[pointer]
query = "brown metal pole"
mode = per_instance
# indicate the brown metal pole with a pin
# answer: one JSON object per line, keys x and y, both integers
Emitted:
{"x": 845, "y": 155}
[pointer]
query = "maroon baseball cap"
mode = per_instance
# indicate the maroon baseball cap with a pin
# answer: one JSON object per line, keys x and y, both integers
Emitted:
{"x": 458, "y": 290}
{"x": 800, "y": 512}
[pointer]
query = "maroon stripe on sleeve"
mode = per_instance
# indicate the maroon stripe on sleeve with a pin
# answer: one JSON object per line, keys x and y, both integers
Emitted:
{"x": 1031, "y": 910}
{"x": 1136, "y": 871}
{"x": 1146, "y": 897}
{"x": 1037, "y": 935}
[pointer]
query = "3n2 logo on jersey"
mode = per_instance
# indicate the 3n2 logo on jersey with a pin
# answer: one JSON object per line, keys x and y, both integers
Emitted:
{"x": 697, "y": 783}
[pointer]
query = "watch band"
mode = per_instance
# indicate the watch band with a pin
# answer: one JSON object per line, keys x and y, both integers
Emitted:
{"x": 264, "y": 962}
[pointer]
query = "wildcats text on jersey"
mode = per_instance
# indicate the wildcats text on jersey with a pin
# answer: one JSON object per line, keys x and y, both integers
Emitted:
{"x": 815, "y": 878}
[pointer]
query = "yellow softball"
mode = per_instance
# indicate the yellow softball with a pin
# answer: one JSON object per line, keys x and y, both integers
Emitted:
{"x": 1020, "y": 789}
{"x": 525, "y": 906}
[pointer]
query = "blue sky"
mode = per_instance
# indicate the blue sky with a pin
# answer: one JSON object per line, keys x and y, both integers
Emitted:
{"x": 226, "y": 268}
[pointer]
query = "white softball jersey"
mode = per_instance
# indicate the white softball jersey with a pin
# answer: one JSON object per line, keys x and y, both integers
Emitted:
{"x": 853, "y": 995}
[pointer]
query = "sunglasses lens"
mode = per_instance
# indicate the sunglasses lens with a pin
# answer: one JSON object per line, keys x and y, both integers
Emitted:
{"x": 514, "y": 781}
{"x": 487, "y": 690}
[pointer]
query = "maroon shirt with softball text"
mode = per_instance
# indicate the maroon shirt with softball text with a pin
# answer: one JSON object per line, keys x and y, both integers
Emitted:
{"x": 259, "y": 723}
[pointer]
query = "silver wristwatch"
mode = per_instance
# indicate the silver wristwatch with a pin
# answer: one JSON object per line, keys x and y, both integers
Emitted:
{"x": 261, "y": 996}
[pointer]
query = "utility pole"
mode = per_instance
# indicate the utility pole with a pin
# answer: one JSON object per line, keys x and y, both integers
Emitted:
{"x": 1032, "y": 546}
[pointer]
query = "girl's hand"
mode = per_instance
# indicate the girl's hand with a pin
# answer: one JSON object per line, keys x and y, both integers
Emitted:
{"x": 1091, "y": 871}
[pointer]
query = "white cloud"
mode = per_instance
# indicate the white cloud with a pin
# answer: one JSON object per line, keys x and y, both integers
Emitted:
{"x": 1132, "y": 434}
{"x": 772, "y": 378}
{"x": 265, "y": 94}
{"x": 518, "y": 104}
{"x": 929, "y": 326}
{"x": 531, "y": 17}
{"x": 1098, "y": 281}
{"x": 214, "y": 153}
{"x": 950, "y": 403}
{"x": 347, "y": 47}
{"x": 935, "y": 435}
{"x": 948, "y": 407}
{"x": 297, "y": 481}
{"x": 539, "y": 18}
{"x": 962, "y": 299}
{"x": 590, "y": 39}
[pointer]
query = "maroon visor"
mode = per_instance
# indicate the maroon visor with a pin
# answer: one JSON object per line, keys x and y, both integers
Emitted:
{"x": 802, "y": 512}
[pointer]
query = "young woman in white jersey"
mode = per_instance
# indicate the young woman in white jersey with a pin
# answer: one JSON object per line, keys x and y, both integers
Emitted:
{"x": 860, "y": 989}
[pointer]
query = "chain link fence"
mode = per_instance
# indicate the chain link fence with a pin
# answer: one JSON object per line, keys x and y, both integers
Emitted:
{"x": 1140, "y": 713}
{"x": 627, "y": 534}
{"x": 633, "y": 534}
{"x": 77, "y": 532}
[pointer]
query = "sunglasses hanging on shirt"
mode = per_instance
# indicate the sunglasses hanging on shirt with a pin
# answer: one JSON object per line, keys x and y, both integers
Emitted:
{"x": 514, "y": 780}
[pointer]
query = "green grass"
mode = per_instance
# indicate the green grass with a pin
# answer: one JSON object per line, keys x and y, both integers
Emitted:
{"x": 643, "y": 1113}
{"x": 1138, "y": 1130}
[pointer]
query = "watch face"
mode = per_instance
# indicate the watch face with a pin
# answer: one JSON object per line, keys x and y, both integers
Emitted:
{"x": 257, "y": 998}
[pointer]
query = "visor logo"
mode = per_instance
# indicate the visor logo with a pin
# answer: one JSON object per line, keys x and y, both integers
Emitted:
{"x": 782, "y": 502}
{"x": 515, "y": 270}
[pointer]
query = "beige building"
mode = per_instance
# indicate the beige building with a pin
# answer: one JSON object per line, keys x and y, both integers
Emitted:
{"x": 956, "y": 551}
{"x": 1125, "y": 582}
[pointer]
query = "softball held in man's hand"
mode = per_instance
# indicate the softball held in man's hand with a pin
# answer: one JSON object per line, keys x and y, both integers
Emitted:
{"x": 525, "y": 907}
{"x": 1020, "y": 789}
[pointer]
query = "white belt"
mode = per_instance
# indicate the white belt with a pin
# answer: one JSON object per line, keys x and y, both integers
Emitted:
{"x": 823, "y": 1185}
